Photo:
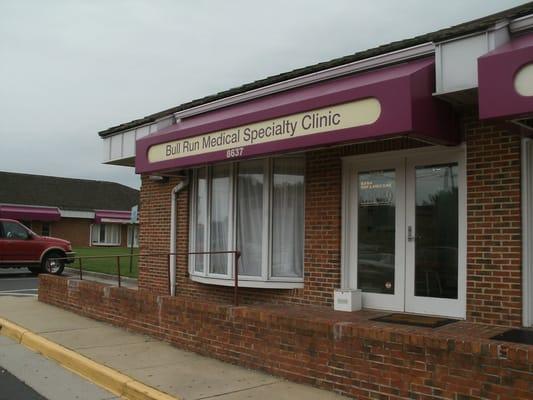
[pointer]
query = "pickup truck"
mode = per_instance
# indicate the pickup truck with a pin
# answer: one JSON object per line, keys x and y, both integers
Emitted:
{"x": 22, "y": 248}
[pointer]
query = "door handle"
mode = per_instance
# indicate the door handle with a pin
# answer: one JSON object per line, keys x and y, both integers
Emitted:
{"x": 410, "y": 236}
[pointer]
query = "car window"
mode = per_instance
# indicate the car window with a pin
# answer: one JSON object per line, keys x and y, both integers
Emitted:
{"x": 14, "y": 231}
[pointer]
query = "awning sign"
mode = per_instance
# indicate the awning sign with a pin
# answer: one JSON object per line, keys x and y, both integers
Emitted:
{"x": 347, "y": 115}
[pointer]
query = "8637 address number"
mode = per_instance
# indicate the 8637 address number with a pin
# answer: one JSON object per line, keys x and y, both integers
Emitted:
{"x": 236, "y": 152}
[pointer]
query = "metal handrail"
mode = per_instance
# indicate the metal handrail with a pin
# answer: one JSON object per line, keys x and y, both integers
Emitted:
{"x": 236, "y": 253}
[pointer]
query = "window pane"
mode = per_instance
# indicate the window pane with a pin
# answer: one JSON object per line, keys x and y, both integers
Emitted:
{"x": 376, "y": 231}
{"x": 201, "y": 218}
{"x": 95, "y": 233}
{"x": 45, "y": 231}
{"x": 102, "y": 233}
{"x": 14, "y": 231}
{"x": 250, "y": 216}
{"x": 113, "y": 233}
{"x": 288, "y": 217}
{"x": 220, "y": 191}
{"x": 436, "y": 229}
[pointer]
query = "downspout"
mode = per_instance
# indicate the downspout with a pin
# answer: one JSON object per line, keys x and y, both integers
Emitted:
{"x": 173, "y": 233}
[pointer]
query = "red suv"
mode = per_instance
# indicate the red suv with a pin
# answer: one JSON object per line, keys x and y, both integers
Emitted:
{"x": 22, "y": 248}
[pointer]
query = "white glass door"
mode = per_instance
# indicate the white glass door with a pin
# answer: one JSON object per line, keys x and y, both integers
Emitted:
{"x": 406, "y": 232}
{"x": 435, "y": 236}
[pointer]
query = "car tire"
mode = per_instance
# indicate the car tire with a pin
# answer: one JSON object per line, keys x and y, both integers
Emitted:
{"x": 51, "y": 266}
{"x": 35, "y": 270}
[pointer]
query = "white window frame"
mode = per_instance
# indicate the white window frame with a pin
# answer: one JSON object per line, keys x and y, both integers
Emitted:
{"x": 265, "y": 280}
{"x": 105, "y": 243}
{"x": 527, "y": 231}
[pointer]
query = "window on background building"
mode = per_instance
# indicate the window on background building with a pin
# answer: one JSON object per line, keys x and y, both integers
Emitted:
{"x": 133, "y": 229}
{"x": 45, "y": 230}
{"x": 256, "y": 207}
{"x": 105, "y": 234}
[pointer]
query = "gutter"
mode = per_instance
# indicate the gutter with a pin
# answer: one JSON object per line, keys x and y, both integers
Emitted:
{"x": 173, "y": 233}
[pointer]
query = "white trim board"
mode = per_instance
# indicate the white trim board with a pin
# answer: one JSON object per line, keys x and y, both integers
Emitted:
{"x": 527, "y": 231}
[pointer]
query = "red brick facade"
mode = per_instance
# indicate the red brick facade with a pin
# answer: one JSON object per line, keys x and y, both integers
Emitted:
{"x": 494, "y": 239}
{"x": 343, "y": 352}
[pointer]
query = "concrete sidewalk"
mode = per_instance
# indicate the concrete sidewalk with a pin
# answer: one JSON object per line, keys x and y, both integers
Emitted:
{"x": 154, "y": 363}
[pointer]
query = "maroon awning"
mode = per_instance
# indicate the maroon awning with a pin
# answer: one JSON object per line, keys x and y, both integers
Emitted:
{"x": 504, "y": 79}
{"x": 29, "y": 213}
{"x": 377, "y": 104}
{"x": 112, "y": 216}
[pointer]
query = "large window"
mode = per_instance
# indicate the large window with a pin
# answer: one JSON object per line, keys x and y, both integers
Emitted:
{"x": 256, "y": 207}
{"x": 105, "y": 234}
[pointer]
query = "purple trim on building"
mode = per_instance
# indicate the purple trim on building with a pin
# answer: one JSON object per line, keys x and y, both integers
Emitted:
{"x": 121, "y": 216}
{"x": 29, "y": 213}
{"x": 496, "y": 73}
{"x": 404, "y": 92}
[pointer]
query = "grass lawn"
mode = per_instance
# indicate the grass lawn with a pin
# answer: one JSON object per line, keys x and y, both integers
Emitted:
{"x": 107, "y": 265}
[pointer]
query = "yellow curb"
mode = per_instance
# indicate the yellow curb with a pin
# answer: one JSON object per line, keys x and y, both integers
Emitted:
{"x": 11, "y": 330}
{"x": 135, "y": 390}
{"x": 108, "y": 378}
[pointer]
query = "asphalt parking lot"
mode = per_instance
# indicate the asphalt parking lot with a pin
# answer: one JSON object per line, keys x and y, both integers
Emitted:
{"x": 14, "y": 388}
{"x": 17, "y": 282}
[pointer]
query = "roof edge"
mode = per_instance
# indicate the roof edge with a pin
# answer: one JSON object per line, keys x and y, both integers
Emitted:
{"x": 459, "y": 30}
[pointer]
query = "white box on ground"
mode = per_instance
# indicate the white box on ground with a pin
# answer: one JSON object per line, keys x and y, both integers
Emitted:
{"x": 347, "y": 300}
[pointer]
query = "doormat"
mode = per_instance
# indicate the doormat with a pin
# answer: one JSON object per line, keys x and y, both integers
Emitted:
{"x": 523, "y": 336}
{"x": 415, "y": 320}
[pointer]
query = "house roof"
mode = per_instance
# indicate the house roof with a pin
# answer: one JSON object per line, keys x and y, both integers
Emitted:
{"x": 65, "y": 193}
{"x": 437, "y": 36}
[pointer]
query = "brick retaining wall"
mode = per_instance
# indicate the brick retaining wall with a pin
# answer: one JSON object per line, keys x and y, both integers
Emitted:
{"x": 343, "y": 352}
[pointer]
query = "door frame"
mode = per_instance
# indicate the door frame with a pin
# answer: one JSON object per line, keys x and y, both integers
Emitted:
{"x": 527, "y": 231}
{"x": 349, "y": 224}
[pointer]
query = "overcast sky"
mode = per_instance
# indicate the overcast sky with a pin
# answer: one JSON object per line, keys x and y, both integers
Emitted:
{"x": 69, "y": 69}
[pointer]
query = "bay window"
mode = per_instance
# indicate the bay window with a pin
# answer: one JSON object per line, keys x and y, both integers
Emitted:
{"x": 256, "y": 207}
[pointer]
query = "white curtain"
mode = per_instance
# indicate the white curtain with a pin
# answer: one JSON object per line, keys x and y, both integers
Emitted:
{"x": 95, "y": 233}
{"x": 288, "y": 217}
{"x": 220, "y": 191}
{"x": 105, "y": 234}
{"x": 201, "y": 218}
{"x": 112, "y": 234}
{"x": 250, "y": 216}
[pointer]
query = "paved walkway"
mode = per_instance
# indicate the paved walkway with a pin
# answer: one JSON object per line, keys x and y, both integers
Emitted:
{"x": 179, "y": 373}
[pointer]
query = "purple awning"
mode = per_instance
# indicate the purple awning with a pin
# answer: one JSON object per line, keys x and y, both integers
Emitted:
{"x": 504, "y": 79}
{"x": 29, "y": 213}
{"x": 112, "y": 216}
{"x": 390, "y": 101}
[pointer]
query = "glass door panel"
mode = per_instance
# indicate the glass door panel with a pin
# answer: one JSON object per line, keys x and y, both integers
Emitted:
{"x": 376, "y": 231}
{"x": 436, "y": 227}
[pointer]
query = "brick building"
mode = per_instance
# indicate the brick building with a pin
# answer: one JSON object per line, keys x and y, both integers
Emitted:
{"x": 85, "y": 212}
{"x": 401, "y": 175}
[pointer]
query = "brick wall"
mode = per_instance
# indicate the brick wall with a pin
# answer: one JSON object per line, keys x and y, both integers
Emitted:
{"x": 494, "y": 253}
{"x": 494, "y": 237}
{"x": 75, "y": 230}
{"x": 343, "y": 352}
